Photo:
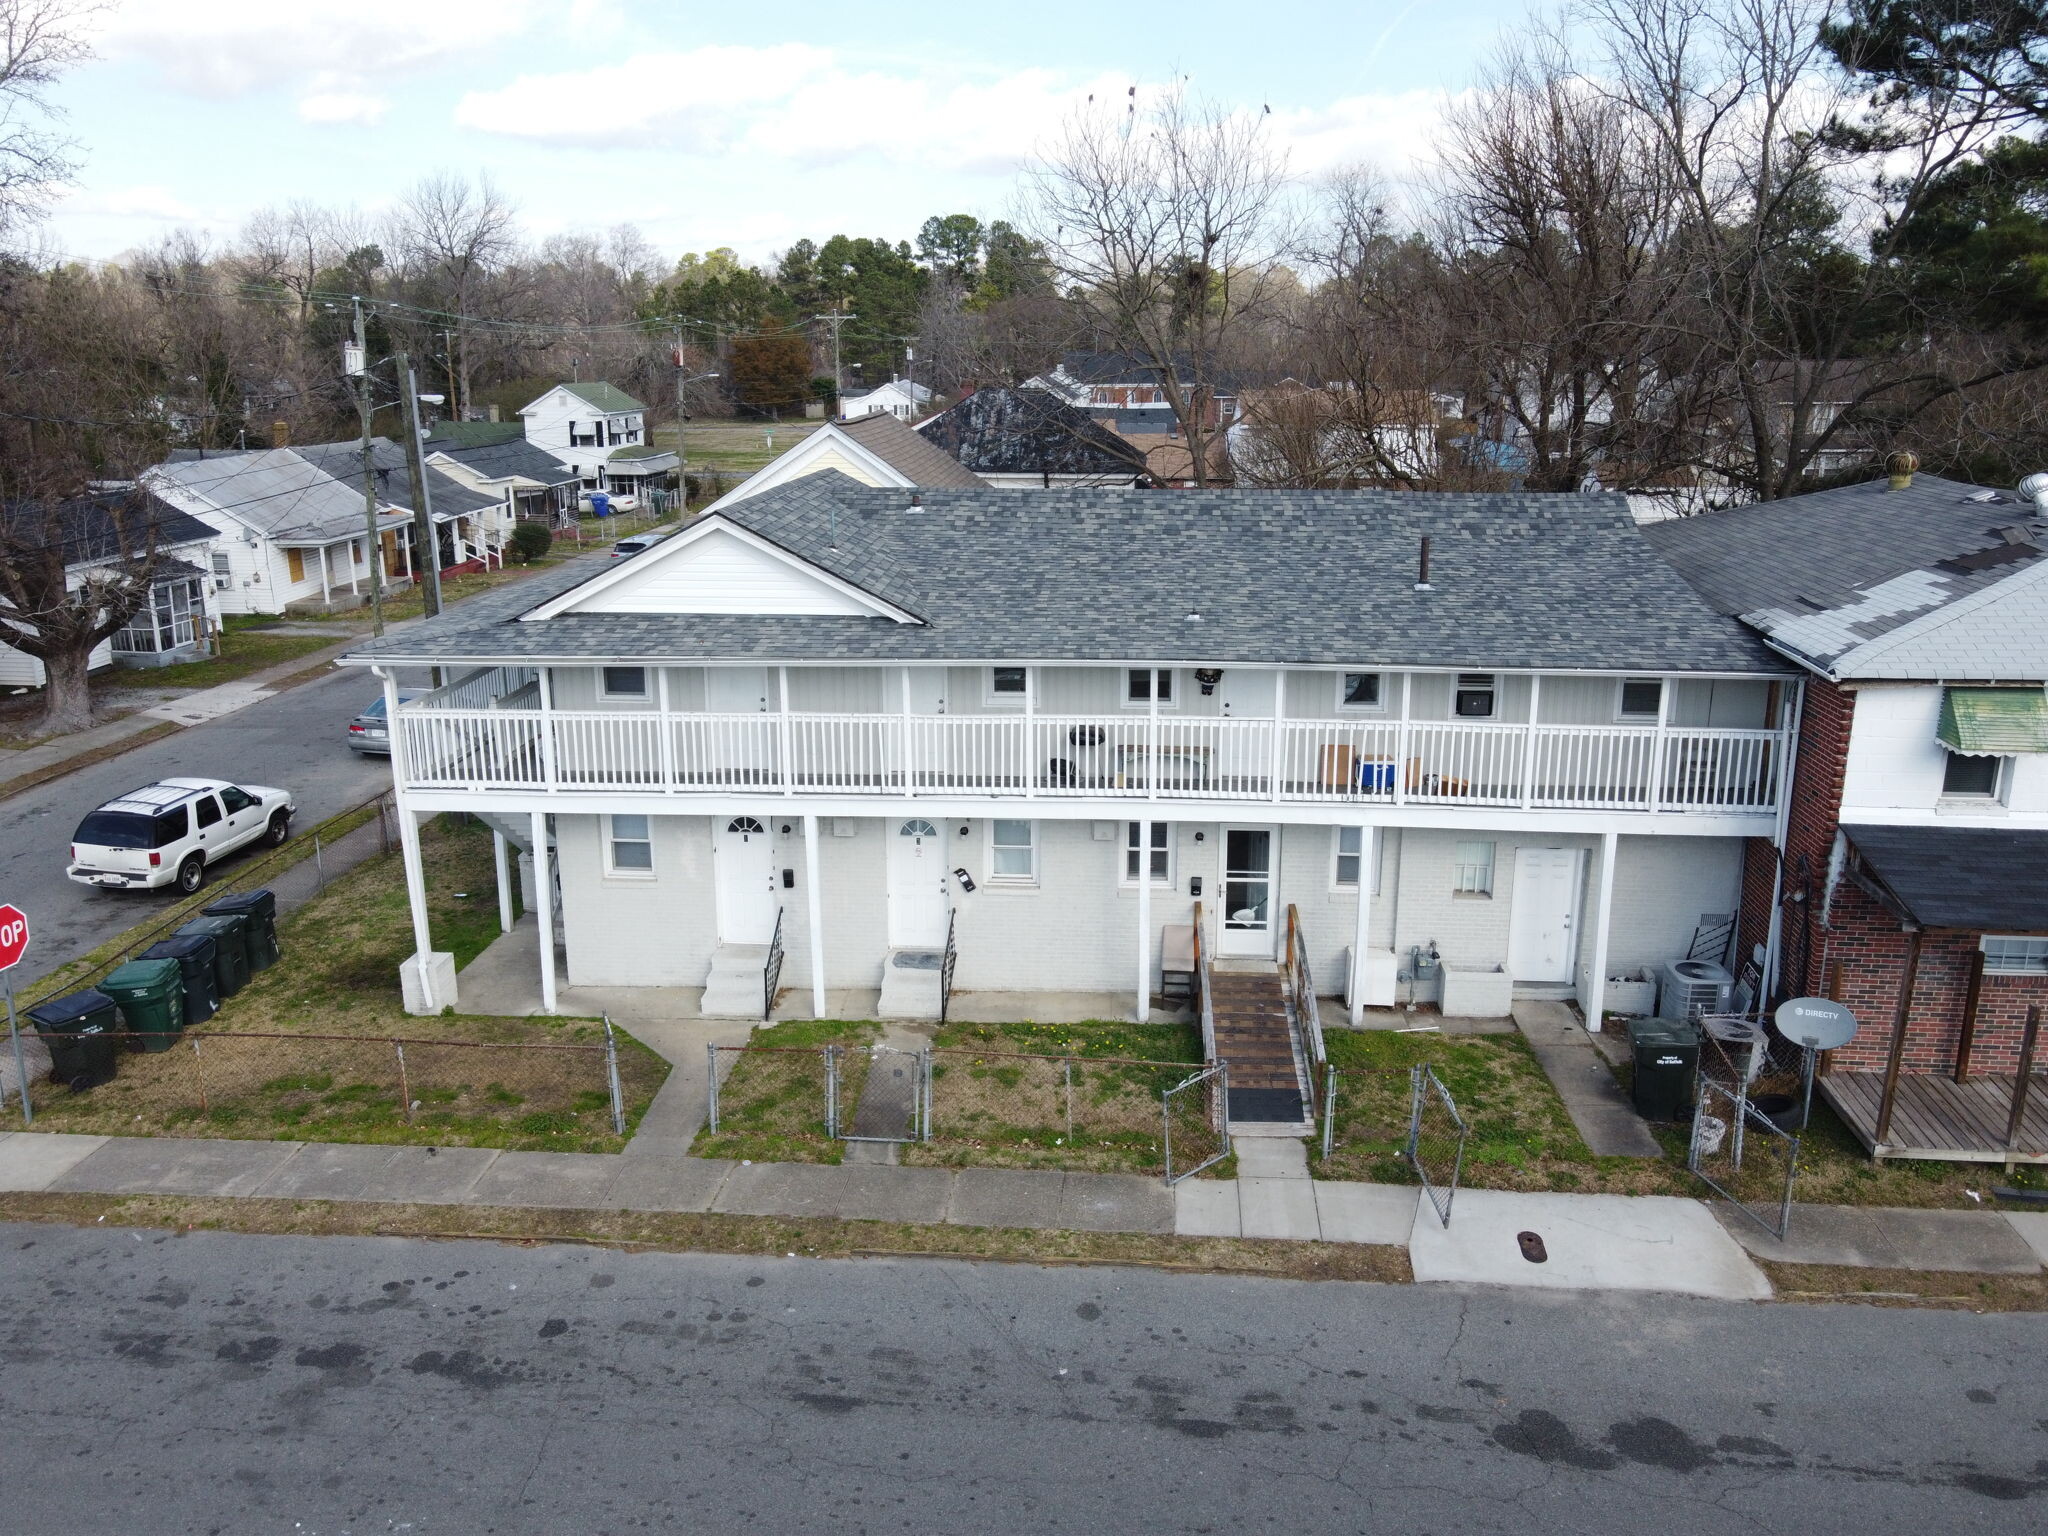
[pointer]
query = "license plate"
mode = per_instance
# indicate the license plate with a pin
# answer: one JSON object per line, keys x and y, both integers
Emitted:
{"x": 108, "y": 880}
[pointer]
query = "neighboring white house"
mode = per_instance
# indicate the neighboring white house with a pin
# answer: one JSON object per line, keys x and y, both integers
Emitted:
{"x": 179, "y": 620}
{"x": 875, "y": 450}
{"x": 1031, "y": 731}
{"x": 495, "y": 459}
{"x": 599, "y": 432}
{"x": 905, "y": 399}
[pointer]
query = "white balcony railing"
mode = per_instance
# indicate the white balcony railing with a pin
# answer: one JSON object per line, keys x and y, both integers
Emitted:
{"x": 1580, "y": 767}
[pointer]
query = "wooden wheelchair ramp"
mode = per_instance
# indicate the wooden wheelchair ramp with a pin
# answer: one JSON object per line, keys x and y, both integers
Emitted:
{"x": 1257, "y": 1037}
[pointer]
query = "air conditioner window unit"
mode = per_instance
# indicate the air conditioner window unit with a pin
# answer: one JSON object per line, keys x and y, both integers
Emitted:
{"x": 1688, "y": 988}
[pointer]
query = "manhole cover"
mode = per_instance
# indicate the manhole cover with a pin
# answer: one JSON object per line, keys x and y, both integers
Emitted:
{"x": 1532, "y": 1247}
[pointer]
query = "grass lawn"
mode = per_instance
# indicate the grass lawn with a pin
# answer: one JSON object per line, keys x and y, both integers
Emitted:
{"x": 241, "y": 652}
{"x": 735, "y": 448}
{"x": 339, "y": 977}
{"x": 771, "y": 1102}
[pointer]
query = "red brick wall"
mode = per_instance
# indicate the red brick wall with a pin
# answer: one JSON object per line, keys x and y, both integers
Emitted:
{"x": 1809, "y": 839}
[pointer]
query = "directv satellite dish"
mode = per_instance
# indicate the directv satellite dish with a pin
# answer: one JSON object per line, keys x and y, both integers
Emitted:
{"x": 1818, "y": 1023}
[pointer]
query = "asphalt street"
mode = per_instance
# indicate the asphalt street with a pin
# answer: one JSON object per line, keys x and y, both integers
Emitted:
{"x": 294, "y": 740}
{"x": 218, "y": 1383}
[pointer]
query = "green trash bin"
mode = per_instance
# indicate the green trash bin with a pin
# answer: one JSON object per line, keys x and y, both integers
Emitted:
{"x": 260, "y": 907}
{"x": 152, "y": 998}
{"x": 79, "y": 1030}
{"x": 195, "y": 962}
{"x": 1666, "y": 1053}
{"x": 230, "y": 949}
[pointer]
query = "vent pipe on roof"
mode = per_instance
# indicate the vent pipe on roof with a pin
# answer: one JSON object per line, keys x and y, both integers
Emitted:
{"x": 917, "y": 501}
{"x": 1900, "y": 467}
{"x": 280, "y": 434}
{"x": 1422, "y": 569}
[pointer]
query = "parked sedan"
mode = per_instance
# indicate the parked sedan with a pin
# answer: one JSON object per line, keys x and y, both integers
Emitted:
{"x": 635, "y": 544}
{"x": 370, "y": 733}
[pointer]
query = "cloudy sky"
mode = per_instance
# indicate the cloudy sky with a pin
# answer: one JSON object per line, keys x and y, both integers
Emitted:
{"x": 705, "y": 125}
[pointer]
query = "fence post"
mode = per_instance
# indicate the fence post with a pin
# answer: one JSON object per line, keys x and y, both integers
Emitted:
{"x": 319, "y": 865}
{"x": 28, "y": 1115}
{"x": 1067, "y": 1072}
{"x": 383, "y": 831}
{"x": 832, "y": 1093}
{"x": 404, "y": 1086}
{"x": 1414, "y": 1112}
{"x": 926, "y": 1053}
{"x": 711, "y": 1053}
{"x": 1329, "y": 1108}
{"x": 199, "y": 1071}
{"x": 611, "y": 1073}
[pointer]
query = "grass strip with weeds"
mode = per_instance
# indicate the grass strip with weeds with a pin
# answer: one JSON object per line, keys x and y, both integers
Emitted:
{"x": 22, "y": 783}
{"x": 1946, "y": 1290}
{"x": 708, "y": 1232}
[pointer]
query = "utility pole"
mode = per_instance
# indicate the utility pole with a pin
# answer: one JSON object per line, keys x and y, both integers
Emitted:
{"x": 359, "y": 365}
{"x": 422, "y": 499}
{"x": 455, "y": 401}
{"x": 836, "y": 319}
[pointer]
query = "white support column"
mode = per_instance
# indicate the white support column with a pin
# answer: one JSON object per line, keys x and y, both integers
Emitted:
{"x": 1401, "y": 745}
{"x": 502, "y": 863}
{"x": 1656, "y": 785}
{"x": 1277, "y": 748}
{"x": 1595, "y": 1001}
{"x": 782, "y": 731}
{"x": 1030, "y": 733}
{"x": 544, "y": 888}
{"x": 1368, "y": 867}
{"x": 1144, "y": 1006}
{"x": 665, "y": 724}
{"x": 1529, "y": 743}
{"x": 355, "y": 570}
{"x": 909, "y": 752}
{"x": 326, "y": 586}
{"x": 545, "y": 677}
{"x": 415, "y": 865}
{"x": 1151, "y": 783}
{"x": 814, "y": 906}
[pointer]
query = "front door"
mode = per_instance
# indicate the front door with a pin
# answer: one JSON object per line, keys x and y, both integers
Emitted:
{"x": 1251, "y": 876}
{"x": 746, "y": 750}
{"x": 917, "y": 885}
{"x": 1243, "y": 762}
{"x": 1544, "y": 922}
{"x": 743, "y": 866}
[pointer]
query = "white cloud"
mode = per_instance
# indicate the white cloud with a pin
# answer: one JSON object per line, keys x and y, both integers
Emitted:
{"x": 146, "y": 204}
{"x": 227, "y": 48}
{"x": 354, "y": 107}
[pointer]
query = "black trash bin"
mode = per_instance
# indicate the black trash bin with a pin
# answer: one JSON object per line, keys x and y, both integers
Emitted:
{"x": 230, "y": 949}
{"x": 260, "y": 907}
{"x": 80, "y": 1032}
{"x": 194, "y": 954}
{"x": 1666, "y": 1053}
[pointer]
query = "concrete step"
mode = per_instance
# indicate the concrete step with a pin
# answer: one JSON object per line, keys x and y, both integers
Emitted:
{"x": 910, "y": 985}
{"x": 733, "y": 989}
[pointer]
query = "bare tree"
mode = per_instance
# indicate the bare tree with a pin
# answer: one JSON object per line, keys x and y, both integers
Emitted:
{"x": 453, "y": 236}
{"x": 39, "y": 41}
{"x": 1163, "y": 223}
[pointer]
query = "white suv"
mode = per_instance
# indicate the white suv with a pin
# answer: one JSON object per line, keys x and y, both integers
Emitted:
{"x": 171, "y": 830}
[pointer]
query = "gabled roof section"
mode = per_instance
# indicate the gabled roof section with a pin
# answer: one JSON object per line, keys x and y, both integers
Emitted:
{"x": 598, "y": 396}
{"x": 717, "y": 566}
{"x": 515, "y": 457}
{"x": 877, "y": 451}
{"x": 911, "y": 454}
{"x": 109, "y": 526}
{"x": 1030, "y": 432}
{"x": 1214, "y": 578}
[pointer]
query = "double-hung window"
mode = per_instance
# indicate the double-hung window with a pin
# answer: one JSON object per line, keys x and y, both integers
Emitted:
{"x": 1350, "y": 846}
{"x": 1148, "y": 844}
{"x": 1472, "y": 869}
{"x": 1013, "y": 852}
{"x": 1139, "y": 683}
{"x": 629, "y": 850}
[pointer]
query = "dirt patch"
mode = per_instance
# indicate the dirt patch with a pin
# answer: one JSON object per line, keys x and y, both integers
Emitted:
{"x": 1907, "y": 1288}
{"x": 706, "y": 1233}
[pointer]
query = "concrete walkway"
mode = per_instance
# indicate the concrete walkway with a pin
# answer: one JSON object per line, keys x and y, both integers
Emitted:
{"x": 1575, "y": 1067}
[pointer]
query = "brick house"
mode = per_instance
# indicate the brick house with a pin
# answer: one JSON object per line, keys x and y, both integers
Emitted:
{"x": 1914, "y": 883}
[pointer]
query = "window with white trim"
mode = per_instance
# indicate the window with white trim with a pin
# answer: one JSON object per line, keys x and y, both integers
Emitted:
{"x": 1007, "y": 685}
{"x": 1348, "y": 853}
{"x": 1473, "y": 699}
{"x": 1012, "y": 852}
{"x": 1640, "y": 699}
{"x": 1360, "y": 690}
{"x": 1472, "y": 869}
{"x": 1969, "y": 777}
{"x": 2013, "y": 955}
{"x": 1158, "y": 844}
{"x": 1139, "y": 683}
{"x": 629, "y": 850}
{"x": 624, "y": 682}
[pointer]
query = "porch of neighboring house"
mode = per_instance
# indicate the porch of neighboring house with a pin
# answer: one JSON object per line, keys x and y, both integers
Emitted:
{"x": 342, "y": 567}
{"x": 1948, "y": 927}
{"x": 174, "y": 627}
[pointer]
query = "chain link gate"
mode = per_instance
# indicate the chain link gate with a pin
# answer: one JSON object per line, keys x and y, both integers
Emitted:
{"x": 1436, "y": 1139}
{"x": 879, "y": 1093}
{"x": 1741, "y": 1156}
{"x": 1195, "y": 1122}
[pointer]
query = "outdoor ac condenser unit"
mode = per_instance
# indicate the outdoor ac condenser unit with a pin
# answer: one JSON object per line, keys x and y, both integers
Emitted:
{"x": 1688, "y": 988}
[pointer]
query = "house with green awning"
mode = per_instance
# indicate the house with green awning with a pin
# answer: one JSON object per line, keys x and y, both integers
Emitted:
{"x": 1913, "y": 884}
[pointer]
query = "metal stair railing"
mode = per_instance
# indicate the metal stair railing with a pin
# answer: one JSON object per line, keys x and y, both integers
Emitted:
{"x": 771, "y": 971}
{"x": 946, "y": 964}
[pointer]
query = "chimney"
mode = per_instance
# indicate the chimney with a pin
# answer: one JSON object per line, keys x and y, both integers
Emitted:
{"x": 497, "y": 412}
{"x": 280, "y": 434}
{"x": 917, "y": 501}
{"x": 1900, "y": 466}
{"x": 1422, "y": 570}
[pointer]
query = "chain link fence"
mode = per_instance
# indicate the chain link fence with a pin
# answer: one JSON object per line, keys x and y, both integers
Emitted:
{"x": 333, "y": 1087}
{"x": 771, "y": 1102}
{"x": 1739, "y": 1154}
{"x": 1436, "y": 1140}
{"x": 1395, "y": 1125}
{"x": 1196, "y": 1122}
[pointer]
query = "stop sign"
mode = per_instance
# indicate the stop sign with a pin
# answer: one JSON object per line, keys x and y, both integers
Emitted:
{"x": 13, "y": 935}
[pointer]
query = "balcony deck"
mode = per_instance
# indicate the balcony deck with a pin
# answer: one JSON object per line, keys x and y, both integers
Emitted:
{"x": 1939, "y": 1119}
{"x": 1092, "y": 757}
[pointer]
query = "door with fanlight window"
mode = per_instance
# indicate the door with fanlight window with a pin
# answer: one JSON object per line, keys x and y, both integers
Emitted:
{"x": 917, "y": 885}
{"x": 743, "y": 875}
{"x": 1251, "y": 881}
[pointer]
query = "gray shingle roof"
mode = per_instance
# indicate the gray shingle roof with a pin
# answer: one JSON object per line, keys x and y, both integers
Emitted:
{"x": 1860, "y": 580}
{"x": 344, "y": 461}
{"x": 1979, "y": 879}
{"x": 498, "y": 460}
{"x": 1030, "y": 431}
{"x": 1307, "y": 577}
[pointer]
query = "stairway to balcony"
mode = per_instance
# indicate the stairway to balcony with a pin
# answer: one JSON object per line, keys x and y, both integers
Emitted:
{"x": 1256, "y": 1036}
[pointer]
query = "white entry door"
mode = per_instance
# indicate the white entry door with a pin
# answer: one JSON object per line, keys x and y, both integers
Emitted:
{"x": 742, "y": 751}
{"x": 1243, "y": 762}
{"x": 917, "y": 885}
{"x": 1251, "y": 882}
{"x": 1543, "y": 927}
{"x": 743, "y": 869}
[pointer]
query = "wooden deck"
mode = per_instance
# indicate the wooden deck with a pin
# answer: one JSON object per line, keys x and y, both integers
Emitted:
{"x": 1940, "y": 1119}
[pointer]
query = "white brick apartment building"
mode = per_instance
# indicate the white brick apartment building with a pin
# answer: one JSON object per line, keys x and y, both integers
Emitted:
{"x": 1040, "y": 729}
